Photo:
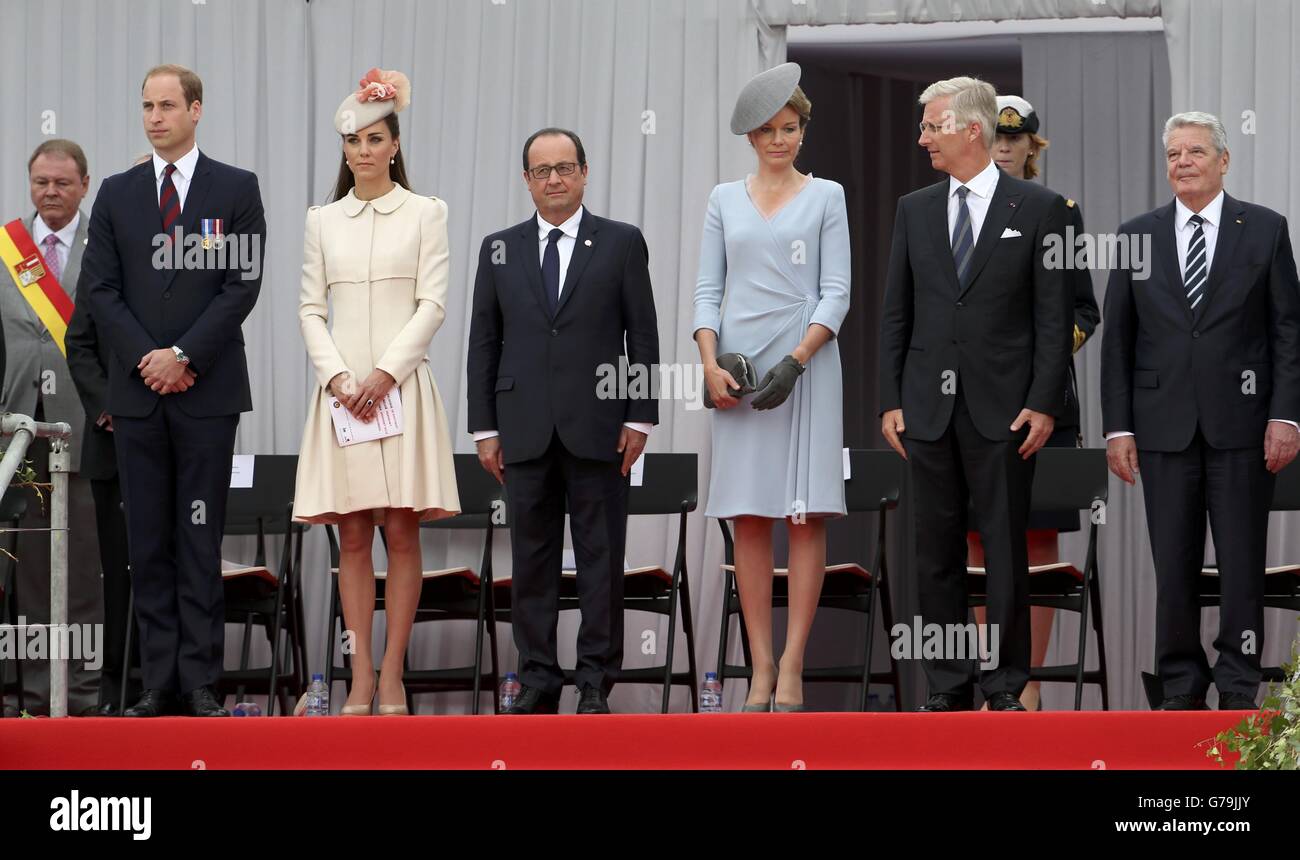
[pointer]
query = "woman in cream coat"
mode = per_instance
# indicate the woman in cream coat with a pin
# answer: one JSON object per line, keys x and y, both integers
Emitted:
{"x": 380, "y": 253}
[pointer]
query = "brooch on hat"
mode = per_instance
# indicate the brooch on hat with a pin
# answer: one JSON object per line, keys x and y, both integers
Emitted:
{"x": 380, "y": 93}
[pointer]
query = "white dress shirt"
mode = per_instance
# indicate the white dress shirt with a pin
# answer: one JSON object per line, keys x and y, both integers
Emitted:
{"x": 180, "y": 177}
{"x": 1212, "y": 213}
{"x": 981, "y": 187}
{"x": 565, "y": 247}
{"x": 66, "y": 237}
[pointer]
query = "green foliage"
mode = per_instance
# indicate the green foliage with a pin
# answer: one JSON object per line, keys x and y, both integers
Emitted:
{"x": 1270, "y": 739}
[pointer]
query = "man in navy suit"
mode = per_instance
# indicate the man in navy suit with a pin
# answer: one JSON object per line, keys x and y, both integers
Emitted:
{"x": 1200, "y": 381}
{"x": 170, "y": 303}
{"x": 555, "y": 300}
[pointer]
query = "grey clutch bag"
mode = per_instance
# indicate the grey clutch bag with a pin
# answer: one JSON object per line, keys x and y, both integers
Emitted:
{"x": 741, "y": 369}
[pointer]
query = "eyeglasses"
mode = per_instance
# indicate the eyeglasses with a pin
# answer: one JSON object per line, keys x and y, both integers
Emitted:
{"x": 931, "y": 128}
{"x": 543, "y": 172}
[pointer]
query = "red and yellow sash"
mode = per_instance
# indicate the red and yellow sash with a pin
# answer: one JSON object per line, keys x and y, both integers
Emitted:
{"x": 30, "y": 275}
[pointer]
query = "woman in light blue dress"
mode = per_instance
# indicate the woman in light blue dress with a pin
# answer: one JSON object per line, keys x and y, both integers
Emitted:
{"x": 776, "y": 246}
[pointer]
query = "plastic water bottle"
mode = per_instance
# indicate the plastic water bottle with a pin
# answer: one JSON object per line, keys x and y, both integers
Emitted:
{"x": 247, "y": 709}
{"x": 318, "y": 697}
{"x": 509, "y": 690}
{"x": 711, "y": 694}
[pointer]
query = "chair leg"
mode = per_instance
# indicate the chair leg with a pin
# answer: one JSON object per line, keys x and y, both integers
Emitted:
{"x": 245, "y": 650}
{"x": 726, "y": 626}
{"x": 1084, "y": 600}
{"x": 887, "y": 619}
{"x": 870, "y": 637}
{"x": 479, "y": 631}
{"x": 331, "y": 635}
{"x": 273, "y": 687}
{"x": 687, "y": 629}
{"x": 672, "y": 640}
{"x": 1101, "y": 642}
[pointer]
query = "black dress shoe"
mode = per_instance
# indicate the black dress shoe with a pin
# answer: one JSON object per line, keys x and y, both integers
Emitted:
{"x": 203, "y": 703}
{"x": 1185, "y": 703}
{"x": 152, "y": 703}
{"x": 1237, "y": 702}
{"x": 107, "y": 709}
{"x": 534, "y": 700}
{"x": 592, "y": 701}
{"x": 940, "y": 702}
{"x": 1004, "y": 701}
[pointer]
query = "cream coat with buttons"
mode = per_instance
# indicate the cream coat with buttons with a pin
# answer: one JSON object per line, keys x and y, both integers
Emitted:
{"x": 382, "y": 264}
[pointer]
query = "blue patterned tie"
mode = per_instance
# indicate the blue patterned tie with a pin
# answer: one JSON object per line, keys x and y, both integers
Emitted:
{"x": 963, "y": 237}
{"x": 551, "y": 270}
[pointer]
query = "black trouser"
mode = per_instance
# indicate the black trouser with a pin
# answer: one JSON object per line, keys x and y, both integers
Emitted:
{"x": 1235, "y": 489}
{"x": 175, "y": 474}
{"x": 595, "y": 493}
{"x": 113, "y": 559}
{"x": 962, "y": 467}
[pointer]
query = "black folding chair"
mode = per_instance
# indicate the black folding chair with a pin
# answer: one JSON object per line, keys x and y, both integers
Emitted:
{"x": 874, "y": 486}
{"x": 669, "y": 486}
{"x": 1281, "y": 583}
{"x": 448, "y": 594}
{"x": 254, "y": 596}
{"x": 1066, "y": 479}
{"x": 12, "y": 508}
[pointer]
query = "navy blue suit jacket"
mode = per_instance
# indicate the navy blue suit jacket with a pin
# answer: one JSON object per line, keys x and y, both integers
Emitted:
{"x": 531, "y": 375}
{"x": 139, "y": 306}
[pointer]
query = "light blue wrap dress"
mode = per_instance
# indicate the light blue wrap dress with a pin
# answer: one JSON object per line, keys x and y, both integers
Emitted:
{"x": 778, "y": 276}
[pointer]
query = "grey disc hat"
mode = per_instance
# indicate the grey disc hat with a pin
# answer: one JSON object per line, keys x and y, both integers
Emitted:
{"x": 764, "y": 95}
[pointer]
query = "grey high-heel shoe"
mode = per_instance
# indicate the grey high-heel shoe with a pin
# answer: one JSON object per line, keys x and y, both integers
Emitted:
{"x": 789, "y": 709}
{"x": 760, "y": 708}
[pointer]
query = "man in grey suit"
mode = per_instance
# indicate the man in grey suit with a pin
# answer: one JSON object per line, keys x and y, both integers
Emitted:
{"x": 37, "y": 383}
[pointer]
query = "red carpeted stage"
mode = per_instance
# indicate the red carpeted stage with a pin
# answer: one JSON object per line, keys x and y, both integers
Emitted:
{"x": 981, "y": 741}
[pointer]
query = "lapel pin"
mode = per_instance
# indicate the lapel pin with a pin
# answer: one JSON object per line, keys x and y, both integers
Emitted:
{"x": 1238, "y": 220}
{"x": 1011, "y": 203}
{"x": 588, "y": 242}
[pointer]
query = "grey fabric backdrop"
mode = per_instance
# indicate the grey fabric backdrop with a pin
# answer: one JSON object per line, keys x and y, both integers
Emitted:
{"x": 485, "y": 74}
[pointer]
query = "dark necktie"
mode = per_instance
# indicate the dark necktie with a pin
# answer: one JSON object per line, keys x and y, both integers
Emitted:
{"x": 169, "y": 200}
{"x": 963, "y": 237}
{"x": 1194, "y": 277}
{"x": 551, "y": 269}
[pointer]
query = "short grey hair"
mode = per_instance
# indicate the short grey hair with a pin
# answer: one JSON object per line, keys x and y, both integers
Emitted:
{"x": 973, "y": 100}
{"x": 1201, "y": 119}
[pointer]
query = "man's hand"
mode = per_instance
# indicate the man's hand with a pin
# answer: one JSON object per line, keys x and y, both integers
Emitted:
{"x": 489, "y": 457}
{"x": 163, "y": 373}
{"x": 891, "y": 425}
{"x": 1281, "y": 441}
{"x": 104, "y": 422}
{"x": 1122, "y": 457}
{"x": 1040, "y": 428}
{"x": 630, "y": 444}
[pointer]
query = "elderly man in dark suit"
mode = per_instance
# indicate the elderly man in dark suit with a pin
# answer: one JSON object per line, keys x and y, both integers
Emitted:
{"x": 1200, "y": 385}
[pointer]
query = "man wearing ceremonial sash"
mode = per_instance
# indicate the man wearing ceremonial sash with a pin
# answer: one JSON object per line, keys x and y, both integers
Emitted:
{"x": 41, "y": 256}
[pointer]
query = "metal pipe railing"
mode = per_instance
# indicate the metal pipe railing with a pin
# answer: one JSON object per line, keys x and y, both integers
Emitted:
{"x": 23, "y": 430}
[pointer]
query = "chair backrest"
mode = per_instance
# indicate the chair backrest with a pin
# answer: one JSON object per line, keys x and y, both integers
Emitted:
{"x": 1286, "y": 489}
{"x": 267, "y": 500}
{"x": 875, "y": 480}
{"x": 1069, "y": 479}
{"x": 669, "y": 484}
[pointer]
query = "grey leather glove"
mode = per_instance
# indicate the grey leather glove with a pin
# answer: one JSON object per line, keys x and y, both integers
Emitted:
{"x": 777, "y": 383}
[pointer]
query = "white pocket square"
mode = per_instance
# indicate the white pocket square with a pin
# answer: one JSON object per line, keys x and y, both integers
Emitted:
{"x": 1008, "y": 233}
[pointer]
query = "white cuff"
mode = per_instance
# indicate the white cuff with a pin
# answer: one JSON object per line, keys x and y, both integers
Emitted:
{"x": 1286, "y": 421}
{"x": 639, "y": 426}
{"x": 480, "y": 435}
{"x": 1117, "y": 434}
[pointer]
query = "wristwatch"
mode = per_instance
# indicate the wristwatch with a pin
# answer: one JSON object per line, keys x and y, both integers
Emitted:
{"x": 181, "y": 357}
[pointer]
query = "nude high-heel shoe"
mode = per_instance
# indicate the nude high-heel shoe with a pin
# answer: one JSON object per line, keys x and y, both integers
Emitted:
{"x": 391, "y": 710}
{"x": 361, "y": 710}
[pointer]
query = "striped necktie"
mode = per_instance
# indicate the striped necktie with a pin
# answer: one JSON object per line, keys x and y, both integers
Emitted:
{"x": 1196, "y": 270}
{"x": 169, "y": 200}
{"x": 963, "y": 237}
